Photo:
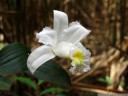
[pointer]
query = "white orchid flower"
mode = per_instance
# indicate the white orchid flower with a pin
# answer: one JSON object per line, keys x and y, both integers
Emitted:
{"x": 62, "y": 41}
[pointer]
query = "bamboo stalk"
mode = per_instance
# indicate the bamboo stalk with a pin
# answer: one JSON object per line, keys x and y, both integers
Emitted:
{"x": 97, "y": 89}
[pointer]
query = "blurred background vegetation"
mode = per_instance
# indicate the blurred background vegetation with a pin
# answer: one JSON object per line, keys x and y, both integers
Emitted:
{"x": 20, "y": 20}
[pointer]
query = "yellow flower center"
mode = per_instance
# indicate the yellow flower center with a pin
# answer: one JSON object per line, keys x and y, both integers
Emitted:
{"x": 78, "y": 57}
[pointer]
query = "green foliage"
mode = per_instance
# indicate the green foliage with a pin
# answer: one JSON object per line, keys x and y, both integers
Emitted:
{"x": 40, "y": 82}
{"x": 106, "y": 80}
{"x": 27, "y": 81}
{"x": 13, "y": 58}
{"x": 122, "y": 83}
{"x": 2, "y": 45}
{"x": 52, "y": 89}
{"x": 5, "y": 83}
{"x": 53, "y": 72}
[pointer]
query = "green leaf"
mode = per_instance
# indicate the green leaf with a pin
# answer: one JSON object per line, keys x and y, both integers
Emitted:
{"x": 122, "y": 83}
{"x": 2, "y": 45}
{"x": 102, "y": 80}
{"x": 52, "y": 89}
{"x": 53, "y": 72}
{"x": 5, "y": 83}
{"x": 108, "y": 80}
{"x": 40, "y": 82}
{"x": 27, "y": 81}
{"x": 13, "y": 58}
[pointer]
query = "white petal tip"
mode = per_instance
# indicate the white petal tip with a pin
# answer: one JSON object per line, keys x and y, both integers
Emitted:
{"x": 31, "y": 69}
{"x": 74, "y": 23}
{"x": 37, "y": 35}
{"x": 60, "y": 14}
{"x": 77, "y": 69}
{"x": 89, "y": 31}
{"x": 86, "y": 69}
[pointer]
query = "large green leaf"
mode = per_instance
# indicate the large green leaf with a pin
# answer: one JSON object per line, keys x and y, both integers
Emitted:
{"x": 13, "y": 58}
{"x": 5, "y": 83}
{"x": 53, "y": 72}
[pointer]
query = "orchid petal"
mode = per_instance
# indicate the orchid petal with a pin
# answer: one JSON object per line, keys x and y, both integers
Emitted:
{"x": 86, "y": 52}
{"x": 75, "y": 32}
{"x": 60, "y": 23}
{"x": 85, "y": 64}
{"x": 80, "y": 46}
{"x": 39, "y": 56}
{"x": 79, "y": 69}
{"x": 47, "y": 36}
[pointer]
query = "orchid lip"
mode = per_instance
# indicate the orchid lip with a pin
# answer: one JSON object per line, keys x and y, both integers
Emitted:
{"x": 62, "y": 49}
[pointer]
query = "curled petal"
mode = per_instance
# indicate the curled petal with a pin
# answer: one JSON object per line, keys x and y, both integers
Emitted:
{"x": 60, "y": 23}
{"x": 39, "y": 56}
{"x": 47, "y": 36}
{"x": 75, "y": 32}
